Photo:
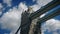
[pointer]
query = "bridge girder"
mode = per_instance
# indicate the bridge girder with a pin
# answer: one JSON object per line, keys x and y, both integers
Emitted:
{"x": 45, "y": 18}
{"x": 46, "y": 8}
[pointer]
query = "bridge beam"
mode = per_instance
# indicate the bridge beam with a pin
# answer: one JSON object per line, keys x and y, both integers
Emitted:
{"x": 45, "y": 18}
{"x": 46, "y": 8}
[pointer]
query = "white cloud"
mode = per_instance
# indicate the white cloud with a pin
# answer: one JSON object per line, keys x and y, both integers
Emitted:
{"x": 43, "y": 2}
{"x": 39, "y": 4}
{"x": 0, "y": 13}
{"x": 34, "y": 0}
{"x": 23, "y": 6}
{"x": 11, "y": 19}
{"x": 8, "y": 2}
{"x": 1, "y": 6}
{"x": 35, "y": 7}
{"x": 51, "y": 25}
{"x": 42, "y": 15}
{"x": 55, "y": 33}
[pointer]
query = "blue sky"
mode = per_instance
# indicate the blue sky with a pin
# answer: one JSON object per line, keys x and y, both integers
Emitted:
{"x": 10, "y": 16}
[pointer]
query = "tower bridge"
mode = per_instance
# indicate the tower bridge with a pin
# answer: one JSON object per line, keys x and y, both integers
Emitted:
{"x": 28, "y": 25}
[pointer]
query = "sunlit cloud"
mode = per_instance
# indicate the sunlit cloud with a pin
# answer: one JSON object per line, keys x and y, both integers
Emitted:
{"x": 8, "y": 2}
